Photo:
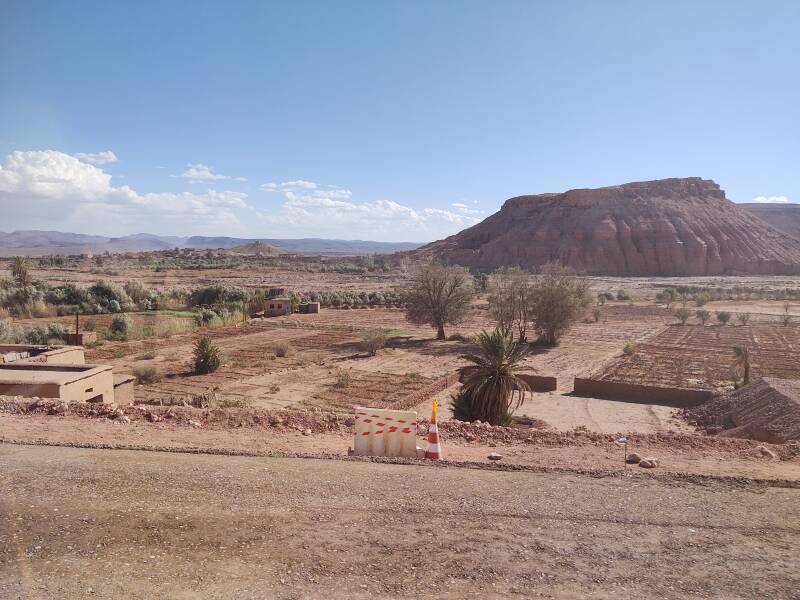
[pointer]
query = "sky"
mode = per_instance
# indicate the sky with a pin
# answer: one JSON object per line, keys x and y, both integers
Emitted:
{"x": 390, "y": 120}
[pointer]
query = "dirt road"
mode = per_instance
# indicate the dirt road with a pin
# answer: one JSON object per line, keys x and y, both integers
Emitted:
{"x": 78, "y": 523}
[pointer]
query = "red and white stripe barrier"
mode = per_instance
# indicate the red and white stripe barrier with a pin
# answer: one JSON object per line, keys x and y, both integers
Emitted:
{"x": 381, "y": 432}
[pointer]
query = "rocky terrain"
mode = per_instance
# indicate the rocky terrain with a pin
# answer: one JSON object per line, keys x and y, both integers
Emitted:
{"x": 670, "y": 227}
{"x": 785, "y": 217}
{"x": 766, "y": 410}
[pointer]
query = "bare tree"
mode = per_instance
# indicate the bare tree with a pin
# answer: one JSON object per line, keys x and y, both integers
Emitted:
{"x": 558, "y": 299}
{"x": 438, "y": 296}
{"x": 510, "y": 299}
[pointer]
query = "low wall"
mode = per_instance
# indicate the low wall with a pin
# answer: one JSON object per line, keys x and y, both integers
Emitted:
{"x": 80, "y": 339}
{"x": 123, "y": 389}
{"x": 646, "y": 394}
{"x": 539, "y": 383}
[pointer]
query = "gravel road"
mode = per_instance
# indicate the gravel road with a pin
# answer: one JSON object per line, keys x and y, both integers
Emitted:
{"x": 78, "y": 523}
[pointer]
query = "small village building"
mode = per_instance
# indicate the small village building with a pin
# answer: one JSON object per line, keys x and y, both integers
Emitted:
{"x": 308, "y": 308}
{"x": 277, "y": 307}
{"x": 60, "y": 372}
{"x": 86, "y": 383}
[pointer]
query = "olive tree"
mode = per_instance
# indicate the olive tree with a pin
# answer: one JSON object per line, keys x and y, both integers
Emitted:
{"x": 438, "y": 295}
{"x": 510, "y": 300}
{"x": 558, "y": 298}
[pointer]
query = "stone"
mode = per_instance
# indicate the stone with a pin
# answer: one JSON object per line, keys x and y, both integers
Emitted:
{"x": 306, "y": 432}
{"x": 495, "y": 456}
{"x": 195, "y": 423}
{"x": 766, "y": 452}
{"x": 648, "y": 463}
{"x": 152, "y": 417}
{"x": 633, "y": 458}
{"x": 124, "y": 419}
{"x": 669, "y": 227}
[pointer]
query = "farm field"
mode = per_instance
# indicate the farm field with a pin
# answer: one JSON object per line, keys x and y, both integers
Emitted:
{"x": 701, "y": 357}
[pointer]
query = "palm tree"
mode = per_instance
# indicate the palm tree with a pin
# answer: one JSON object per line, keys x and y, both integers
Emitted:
{"x": 490, "y": 382}
{"x": 743, "y": 362}
{"x": 19, "y": 271}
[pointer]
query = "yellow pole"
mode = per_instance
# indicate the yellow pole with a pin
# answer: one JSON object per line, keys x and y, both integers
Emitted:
{"x": 433, "y": 412}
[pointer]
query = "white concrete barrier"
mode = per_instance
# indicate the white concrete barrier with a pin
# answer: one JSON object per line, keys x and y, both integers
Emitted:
{"x": 381, "y": 432}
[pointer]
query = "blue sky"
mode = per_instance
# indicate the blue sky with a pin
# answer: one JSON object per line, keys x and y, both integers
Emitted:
{"x": 380, "y": 120}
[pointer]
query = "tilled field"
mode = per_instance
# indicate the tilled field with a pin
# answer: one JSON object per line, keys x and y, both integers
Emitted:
{"x": 697, "y": 357}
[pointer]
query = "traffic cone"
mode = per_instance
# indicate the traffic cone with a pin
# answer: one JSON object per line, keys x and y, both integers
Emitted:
{"x": 434, "y": 451}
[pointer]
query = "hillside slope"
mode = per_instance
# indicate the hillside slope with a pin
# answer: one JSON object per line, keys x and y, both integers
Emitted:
{"x": 669, "y": 227}
{"x": 784, "y": 217}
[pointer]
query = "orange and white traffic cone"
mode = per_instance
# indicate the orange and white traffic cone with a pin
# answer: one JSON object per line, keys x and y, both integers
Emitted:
{"x": 434, "y": 451}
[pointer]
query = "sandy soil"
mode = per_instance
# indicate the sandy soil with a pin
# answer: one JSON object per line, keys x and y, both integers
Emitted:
{"x": 81, "y": 523}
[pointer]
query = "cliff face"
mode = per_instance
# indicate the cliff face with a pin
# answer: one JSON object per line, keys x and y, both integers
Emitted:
{"x": 669, "y": 227}
{"x": 784, "y": 217}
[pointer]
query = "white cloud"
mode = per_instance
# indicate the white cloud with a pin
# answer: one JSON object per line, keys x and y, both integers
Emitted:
{"x": 97, "y": 158}
{"x": 771, "y": 199}
{"x": 51, "y": 189}
{"x": 200, "y": 173}
{"x": 329, "y": 211}
{"x": 288, "y": 186}
{"x": 39, "y": 185}
{"x": 464, "y": 209}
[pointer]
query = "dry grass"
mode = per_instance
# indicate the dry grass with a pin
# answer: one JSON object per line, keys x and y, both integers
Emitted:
{"x": 146, "y": 374}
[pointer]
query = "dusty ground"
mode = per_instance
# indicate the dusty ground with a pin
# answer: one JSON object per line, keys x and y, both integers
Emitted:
{"x": 319, "y": 433}
{"x": 188, "y": 526}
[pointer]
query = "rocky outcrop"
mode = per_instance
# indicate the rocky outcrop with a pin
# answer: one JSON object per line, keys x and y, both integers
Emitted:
{"x": 669, "y": 227}
{"x": 783, "y": 217}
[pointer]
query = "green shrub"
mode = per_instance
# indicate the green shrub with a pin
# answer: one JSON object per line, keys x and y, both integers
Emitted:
{"x": 743, "y": 318}
{"x": 207, "y": 357}
{"x": 121, "y": 326}
{"x": 723, "y": 316}
{"x": 464, "y": 409}
{"x": 683, "y": 315}
{"x": 147, "y": 374}
{"x": 38, "y": 334}
{"x": 702, "y": 315}
{"x": 629, "y": 348}
{"x": 623, "y": 294}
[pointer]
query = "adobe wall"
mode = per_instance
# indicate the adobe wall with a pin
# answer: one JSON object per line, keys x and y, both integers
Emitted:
{"x": 123, "y": 389}
{"x": 31, "y": 390}
{"x": 96, "y": 385}
{"x": 539, "y": 383}
{"x": 647, "y": 394}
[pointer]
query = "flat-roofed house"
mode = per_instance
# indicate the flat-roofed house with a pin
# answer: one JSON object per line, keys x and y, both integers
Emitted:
{"x": 277, "y": 307}
{"x": 86, "y": 383}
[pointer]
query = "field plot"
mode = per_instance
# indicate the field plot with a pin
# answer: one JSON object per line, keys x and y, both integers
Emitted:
{"x": 376, "y": 390}
{"x": 697, "y": 357}
{"x": 588, "y": 345}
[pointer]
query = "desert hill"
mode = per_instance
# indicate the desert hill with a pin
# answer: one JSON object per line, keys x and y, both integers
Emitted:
{"x": 257, "y": 249}
{"x": 669, "y": 227}
{"x": 41, "y": 243}
{"x": 785, "y": 217}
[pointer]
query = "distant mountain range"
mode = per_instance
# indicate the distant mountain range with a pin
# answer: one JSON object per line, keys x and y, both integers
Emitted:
{"x": 40, "y": 243}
